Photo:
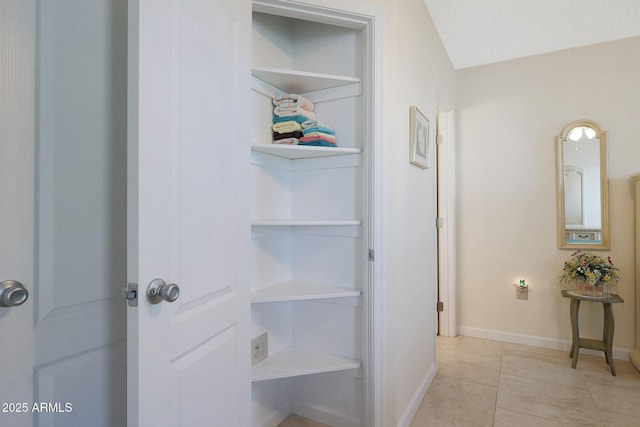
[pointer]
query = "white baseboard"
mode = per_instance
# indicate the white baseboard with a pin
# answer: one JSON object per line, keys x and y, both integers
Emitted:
{"x": 276, "y": 417}
{"x": 416, "y": 399}
{"x": 555, "y": 344}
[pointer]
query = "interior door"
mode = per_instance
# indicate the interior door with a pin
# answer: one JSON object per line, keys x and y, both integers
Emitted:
{"x": 63, "y": 215}
{"x": 188, "y": 160}
{"x": 17, "y": 33}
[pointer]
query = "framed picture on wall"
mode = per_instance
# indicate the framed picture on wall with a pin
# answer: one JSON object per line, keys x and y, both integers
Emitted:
{"x": 418, "y": 138}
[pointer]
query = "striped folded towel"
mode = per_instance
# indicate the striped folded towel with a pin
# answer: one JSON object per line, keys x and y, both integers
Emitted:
{"x": 320, "y": 135}
{"x": 292, "y": 100}
{"x": 286, "y": 141}
{"x": 286, "y": 112}
{"x": 310, "y": 124}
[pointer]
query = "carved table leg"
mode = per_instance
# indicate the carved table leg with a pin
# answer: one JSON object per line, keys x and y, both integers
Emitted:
{"x": 607, "y": 335}
{"x": 575, "y": 345}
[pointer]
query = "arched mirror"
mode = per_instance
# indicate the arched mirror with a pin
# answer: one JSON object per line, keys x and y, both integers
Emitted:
{"x": 582, "y": 187}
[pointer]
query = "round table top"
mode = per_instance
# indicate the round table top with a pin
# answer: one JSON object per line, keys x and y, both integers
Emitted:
{"x": 575, "y": 294}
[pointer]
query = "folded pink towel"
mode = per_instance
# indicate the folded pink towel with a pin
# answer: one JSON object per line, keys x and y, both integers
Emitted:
{"x": 322, "y": 135}
{"x": 291, "y": 100}
{"x": 317, "y": 139}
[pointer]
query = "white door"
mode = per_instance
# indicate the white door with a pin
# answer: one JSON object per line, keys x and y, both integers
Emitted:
{"x": 16, "y": 213}
{"x": 188, "y": 160}
{"x": 63, "y": 214}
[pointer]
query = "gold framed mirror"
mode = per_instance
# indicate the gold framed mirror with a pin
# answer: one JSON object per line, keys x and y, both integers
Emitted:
{"x": 582, "y": 187}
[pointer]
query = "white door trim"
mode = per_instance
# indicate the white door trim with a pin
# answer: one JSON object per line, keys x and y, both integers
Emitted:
{"x": 447, "y": 211}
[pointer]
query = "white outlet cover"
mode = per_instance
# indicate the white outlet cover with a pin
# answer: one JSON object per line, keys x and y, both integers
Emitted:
{"x": 259, "y": 349}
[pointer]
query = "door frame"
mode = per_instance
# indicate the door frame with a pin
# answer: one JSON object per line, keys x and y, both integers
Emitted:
{"x": 447, "y": 319}
{"x": 369, "y": 19}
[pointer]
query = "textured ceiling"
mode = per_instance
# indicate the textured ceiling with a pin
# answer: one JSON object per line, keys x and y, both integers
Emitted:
{"x": 478, "y": 32}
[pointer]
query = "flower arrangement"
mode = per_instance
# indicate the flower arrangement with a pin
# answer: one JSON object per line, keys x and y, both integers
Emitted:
{"x": 591, "y": 270}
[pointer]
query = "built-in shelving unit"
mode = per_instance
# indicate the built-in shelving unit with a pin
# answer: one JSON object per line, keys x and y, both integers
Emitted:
{"x": 309, "y": 211}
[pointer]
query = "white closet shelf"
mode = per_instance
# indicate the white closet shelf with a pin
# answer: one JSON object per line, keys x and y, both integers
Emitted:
{"x": 296, "y": 361}
{"x": 307, "y": 227}
{"x": 297, "y": 290}
{"x": 292, "y": 81}
{"x": 294, "y": 152}
{"x": 302, "y": 223}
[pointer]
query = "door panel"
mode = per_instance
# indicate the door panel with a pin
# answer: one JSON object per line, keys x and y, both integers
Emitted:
{"x": 64, "y": 112}
{"x": 17, "y": 33}
{"x": 188, "y": 211}
{"x": 81, "y": 209}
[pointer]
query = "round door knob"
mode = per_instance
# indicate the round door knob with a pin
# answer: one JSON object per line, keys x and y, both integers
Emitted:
{"x": 159, "y": 291}
{"x": 12, "y": 293}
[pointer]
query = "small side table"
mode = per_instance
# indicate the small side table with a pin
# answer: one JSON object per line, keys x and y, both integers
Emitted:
{"x": 606, "y": 344}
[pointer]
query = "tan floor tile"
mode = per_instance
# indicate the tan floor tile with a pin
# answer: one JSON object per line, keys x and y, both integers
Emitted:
{"x": 614, "y": 419}
{"x": 456, "y": 402}
{"x": 597, "y": 371}
{"x": 620, "y": 399}
{"x": 469, "y": 345}
{"x": 535, "y": 387}
{"x": 470, "y": 367}
{"x": 543, "y": 368}
{"x": 509, "y": 418}
{"x": 538, "y": 353}
{"x": 547, "y": 400}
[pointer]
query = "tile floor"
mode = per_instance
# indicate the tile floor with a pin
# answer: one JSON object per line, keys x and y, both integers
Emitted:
{"x": 491, "y": 383}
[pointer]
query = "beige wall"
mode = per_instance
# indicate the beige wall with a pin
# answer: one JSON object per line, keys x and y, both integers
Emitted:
{"x": 507, "y": 117}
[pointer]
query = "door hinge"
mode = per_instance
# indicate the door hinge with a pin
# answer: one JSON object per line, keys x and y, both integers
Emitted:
{"x": 439, "y": 222}
{"x": 130, "y": 293}
{"x": 372, "y": 255}
{"x": 440, "y": 306}
{"x": 439, "y": 139}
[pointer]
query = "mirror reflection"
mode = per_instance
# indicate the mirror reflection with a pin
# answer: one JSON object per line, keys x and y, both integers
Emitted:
{"x": 582, "y": 187}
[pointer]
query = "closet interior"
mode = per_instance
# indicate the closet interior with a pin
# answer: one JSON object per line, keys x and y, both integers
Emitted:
{"x": 310, "y": 222}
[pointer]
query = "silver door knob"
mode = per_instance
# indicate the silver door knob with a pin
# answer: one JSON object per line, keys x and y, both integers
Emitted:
{"x": 159, "y": 291}
{"x": 12, "y": 293}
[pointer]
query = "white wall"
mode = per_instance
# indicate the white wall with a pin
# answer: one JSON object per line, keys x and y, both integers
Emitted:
{"x": 417, "y": 72}
{"x": 508, "y": 116}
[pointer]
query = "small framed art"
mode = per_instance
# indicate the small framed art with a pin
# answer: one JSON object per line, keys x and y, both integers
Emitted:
{"x": 418, "y": 138}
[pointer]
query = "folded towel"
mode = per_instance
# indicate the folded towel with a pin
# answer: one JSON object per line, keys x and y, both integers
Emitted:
{"x": 313, "y": 123}
{"x": 299, "y": 119}
{"x": 287, "y": 141}
{"x": 318, "y": 143}
{"x": 286, "y": 112}
{"x": 306, "y": 139}
{"x": 320, "y": 135}
{"x": 322, "y": 129}
{"x": 291, "y": 100}
{"x": 295, "y": 134}
{"x": 288, "y": 126}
